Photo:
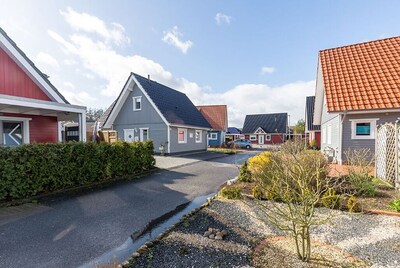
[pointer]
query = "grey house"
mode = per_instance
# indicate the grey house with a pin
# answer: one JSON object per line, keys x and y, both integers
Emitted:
{"x": 147, "y": 110}
{"x": 358, "y": 88}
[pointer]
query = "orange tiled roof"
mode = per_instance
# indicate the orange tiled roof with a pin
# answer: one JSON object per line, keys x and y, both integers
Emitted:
{"x": 216, "y": 115}
{"x": 362, "y": 76}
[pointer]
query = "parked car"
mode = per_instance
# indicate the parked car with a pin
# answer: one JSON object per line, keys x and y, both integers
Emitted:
{"x": 240, "y": 143}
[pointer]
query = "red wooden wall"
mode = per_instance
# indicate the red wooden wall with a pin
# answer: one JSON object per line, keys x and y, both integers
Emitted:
{"x": 15, "y": 82}
{"x": 275, "y": 139}
{"x": 41, "y": 128}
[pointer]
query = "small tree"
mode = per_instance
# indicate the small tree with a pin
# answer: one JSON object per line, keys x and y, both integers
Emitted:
{"x": 298, "y": 178}
{"x": 299, "y": 128}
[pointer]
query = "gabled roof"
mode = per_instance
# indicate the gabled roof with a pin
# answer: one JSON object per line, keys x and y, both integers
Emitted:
{"x": 362, "y": 76}
{"x": 234, "y": 130}
{"x": 310, "y": 100}
{"x": 270, "y": 123}
{"x": 106, "y": 113}
{"x": 174, "y": 107}
{"x": 28, "y": 66}
{"x": 216, "y": 115}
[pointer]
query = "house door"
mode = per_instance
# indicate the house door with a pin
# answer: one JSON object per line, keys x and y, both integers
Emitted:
{"x": 144, "y": 134}
{"x": 129, "y": 135}
{"x": 260, "y": 139}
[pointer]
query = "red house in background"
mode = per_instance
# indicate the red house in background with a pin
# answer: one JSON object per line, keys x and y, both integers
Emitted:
{"x": 313, "y": 131}
{"x": 266, "y": 128}
{"x": 31, "y": 108}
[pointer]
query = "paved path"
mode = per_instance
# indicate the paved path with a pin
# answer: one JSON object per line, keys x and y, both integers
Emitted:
{"x": 168, "y": 162}
{"x": 73, "y": 231}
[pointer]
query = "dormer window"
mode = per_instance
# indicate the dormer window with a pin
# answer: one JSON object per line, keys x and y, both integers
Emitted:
{"x": 137, "y": 103}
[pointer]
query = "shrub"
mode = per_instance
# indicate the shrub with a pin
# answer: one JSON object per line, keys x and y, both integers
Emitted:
{"x": 33, "y": 169}
{"x": 244, "y": 173}
{"x": 395, "y": 205}
{"x": 360, "y": 166}
{"x": 231, "y": 192}
{"x": 330, "y": 199}
{"x": 258, "y": 162}
{"x": 257, "y": 193}
{"x": 353, "y": 205}
{"x": 297, "y": 178}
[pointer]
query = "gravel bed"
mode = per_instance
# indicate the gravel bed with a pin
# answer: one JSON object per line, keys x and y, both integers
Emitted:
{"x": 374, "y": 239}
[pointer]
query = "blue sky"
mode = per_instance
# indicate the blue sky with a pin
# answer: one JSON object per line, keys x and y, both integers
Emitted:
{"x": 254, "y": 56}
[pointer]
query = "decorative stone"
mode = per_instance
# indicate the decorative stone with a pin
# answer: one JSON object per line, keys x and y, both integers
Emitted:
{"x": 142, "y": 249}
{"x": 217, "y": 230}
{"x": 125, "y": 264}
{"x": 207, "y": 233}
{"x": 149, "y": 244}
{"x": 210, "y": 230}
{"x": 218, "y": 237}
{"x": 211, "y": 236}
{"x": 135, "y": 254}
{"x": 224, "y": 232}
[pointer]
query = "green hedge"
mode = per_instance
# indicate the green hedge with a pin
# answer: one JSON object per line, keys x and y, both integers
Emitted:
{"x": 33, "y": 169}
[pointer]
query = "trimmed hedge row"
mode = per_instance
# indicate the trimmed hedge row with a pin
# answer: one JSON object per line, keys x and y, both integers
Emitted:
{"x": 33, "y": 169}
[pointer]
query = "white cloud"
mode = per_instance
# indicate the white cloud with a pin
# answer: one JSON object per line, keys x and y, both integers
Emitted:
{"x": 221, "y": 18}
{"x": 267, "y": 70}
{"x": 80, "y": 98}
{"x": 69, "y": 84}
{"x": 46, "y": 59}
{"x": 101, "y": 61}
{"x": 91, "y": 24}
{"x": 172, "y": 37}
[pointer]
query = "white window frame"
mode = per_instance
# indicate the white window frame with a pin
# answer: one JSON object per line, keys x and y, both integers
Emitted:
{"x": 354, "y": 123}
{"x": 184, "y": 135}
{"x": 213, "y": 136}
{"x": 253, "y": 137}
{"x": 329, "y": 134}
{"x": 25, "y": 127}
{"x": 135, "y": 99}
{"x": 200, "y": 132}
{"x": 268, "y": 137}
{"x": 141, "y": 133}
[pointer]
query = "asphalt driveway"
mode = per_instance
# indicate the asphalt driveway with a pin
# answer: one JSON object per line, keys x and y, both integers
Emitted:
{"x": 73, "y": 231}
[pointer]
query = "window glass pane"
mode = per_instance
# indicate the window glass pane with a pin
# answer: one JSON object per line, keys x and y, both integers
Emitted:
{"x": 181, "y": 135}
{"x": 145, "y": 135}
{"x": 363, "y": 129}
{"x": 12, "y": 133}
{"x": 137, "y": 104}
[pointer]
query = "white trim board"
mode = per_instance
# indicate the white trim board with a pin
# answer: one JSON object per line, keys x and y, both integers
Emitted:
{"x": 29, "y": 70}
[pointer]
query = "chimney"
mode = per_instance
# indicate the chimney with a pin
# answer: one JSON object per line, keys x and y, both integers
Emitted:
{"x": 148, "y": 77}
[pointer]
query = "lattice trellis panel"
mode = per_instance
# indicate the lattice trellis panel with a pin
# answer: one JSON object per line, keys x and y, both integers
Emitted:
{"x": 386, "y": 153}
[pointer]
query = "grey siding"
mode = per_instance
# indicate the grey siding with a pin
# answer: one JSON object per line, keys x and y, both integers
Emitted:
{"x": 190, "y": 145}
{"x": 349, "y": 143}
{"x": 333, "y": 120}
{"x": 147, "y": 117}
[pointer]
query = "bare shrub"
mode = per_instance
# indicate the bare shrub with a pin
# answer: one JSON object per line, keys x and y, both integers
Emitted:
{"x": 360, "y": 167}
{"x": 299, "y": 179}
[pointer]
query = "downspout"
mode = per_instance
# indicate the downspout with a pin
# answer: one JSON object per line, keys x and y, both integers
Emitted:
{"x": 341, "y": 136}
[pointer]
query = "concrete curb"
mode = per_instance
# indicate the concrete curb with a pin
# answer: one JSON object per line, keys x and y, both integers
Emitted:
{"x": 146, "y": 246}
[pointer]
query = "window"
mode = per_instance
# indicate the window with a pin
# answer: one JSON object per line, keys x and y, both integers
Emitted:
{"x": 144, "y": 134}
{"x": 199, "y": 135}
{"x": 363, "y": 128}
{"x": 329, "y": 135}
{"x": 268, "y": 137}
{"x": 213, "y": 136}
{"x": 324, "y": 134}
{"x": 14, "y": 131}
{"x": 182, "y": 135}
{"x": 137, "y": 103}
{"x": 253, "y": 137}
